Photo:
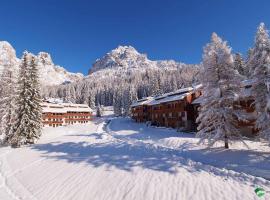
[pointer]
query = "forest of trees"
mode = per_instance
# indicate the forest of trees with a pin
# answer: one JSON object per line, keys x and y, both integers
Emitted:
{"x": 119, "y": 88}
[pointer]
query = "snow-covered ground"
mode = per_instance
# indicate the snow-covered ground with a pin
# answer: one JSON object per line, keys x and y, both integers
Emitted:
{"x": 126, "y": 160}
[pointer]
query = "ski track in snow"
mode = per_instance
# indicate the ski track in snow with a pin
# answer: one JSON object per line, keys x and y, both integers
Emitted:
{"x": 95, "y": 162}
{"x": 3, "y": 179}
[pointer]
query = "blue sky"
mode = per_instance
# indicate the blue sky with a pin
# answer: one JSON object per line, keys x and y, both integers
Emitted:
{"x": 77, "y": 32}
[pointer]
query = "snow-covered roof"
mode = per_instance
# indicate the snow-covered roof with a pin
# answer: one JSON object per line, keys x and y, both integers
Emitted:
{"x": 64, "y": 108}
{"x": 76, "y": 107}
{"x": 143, "y": 101}
{"x": 168, "y": 99}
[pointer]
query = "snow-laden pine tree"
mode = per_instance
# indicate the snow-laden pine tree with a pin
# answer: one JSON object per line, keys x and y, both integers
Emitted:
{"x": 155, "y": 85}
{"x": 128, "y": 97}
{"x": 117, "y": 102}
{"x": 36, "y": 100}
{"x": 27, "y": 124}
{"x": 99, "y": 112}
{"x": 239, "y": 65}
{"x": 7, "y": 104}
{"x": 217, "y": 118}
{"x": 261, "y": 78}
{"x": 248, "y": 63}
{"x": 91, "y": 100}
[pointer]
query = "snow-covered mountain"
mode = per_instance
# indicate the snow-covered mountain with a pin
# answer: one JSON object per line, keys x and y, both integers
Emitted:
{"x": 7, "y": 56}
{"x": 50, "y": 74}
{"x": 127, "y": 58}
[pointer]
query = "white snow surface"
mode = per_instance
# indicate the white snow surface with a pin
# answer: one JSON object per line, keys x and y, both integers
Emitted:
{"x": 127, "y": 160}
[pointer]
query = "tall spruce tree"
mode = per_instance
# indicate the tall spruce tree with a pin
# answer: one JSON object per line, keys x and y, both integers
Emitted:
{"x": 217, "y": 118}
{"x": 36, "y": 100}
{"x": 7, "y": 104}
{"x": 91, "y": 100}
{"x": 27, "y": 125}
{"x": 261, "y": 77}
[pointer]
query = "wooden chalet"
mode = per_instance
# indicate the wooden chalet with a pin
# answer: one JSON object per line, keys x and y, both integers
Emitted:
{"x": 173, "y": 109}
{"x": 54, "y": 115}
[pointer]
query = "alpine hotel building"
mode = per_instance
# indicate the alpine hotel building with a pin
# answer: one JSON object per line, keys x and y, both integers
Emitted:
{"x": 54, "y": 115}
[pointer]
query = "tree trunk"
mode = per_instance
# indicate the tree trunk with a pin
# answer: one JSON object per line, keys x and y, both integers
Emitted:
{"x": 226, "y": 142}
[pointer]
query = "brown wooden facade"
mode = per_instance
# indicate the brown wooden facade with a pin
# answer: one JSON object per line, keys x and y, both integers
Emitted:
{"x": 174, "y": 112}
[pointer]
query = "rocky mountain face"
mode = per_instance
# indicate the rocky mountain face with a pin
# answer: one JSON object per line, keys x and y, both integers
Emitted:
{"x": 7, "y": 56}
{"x": 127, "y": 58}
{"x": 50, "y": 74}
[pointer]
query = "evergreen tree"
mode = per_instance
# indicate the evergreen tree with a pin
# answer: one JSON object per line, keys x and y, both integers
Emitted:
{"x": 7, "y": 104}
{"x": 36, "y": 100}
{"x": 248, "y": 63}
{"x": 261, "y": 77}
{"x": 91, "y": 100}
{"x": 99, "y": 112}
{"x": 217, "y": 118}
{"x": 239, "y": 65}
{"x": 128, "y": 97}
{"x": 117, "y": 103}
{"x": 27, "y": 125}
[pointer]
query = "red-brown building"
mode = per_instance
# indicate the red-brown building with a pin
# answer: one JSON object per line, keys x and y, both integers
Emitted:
{"x": 140, "y": 110}
{"x": 55, "y": 115}
{"x": 173, "y": 109}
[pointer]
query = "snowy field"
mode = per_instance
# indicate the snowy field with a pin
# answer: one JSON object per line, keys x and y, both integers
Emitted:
{"x": 126, "y": 160}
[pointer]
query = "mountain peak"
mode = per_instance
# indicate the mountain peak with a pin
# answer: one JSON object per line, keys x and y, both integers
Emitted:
{"x": 45, "y": 58}
{"x": 122, "y": 56}
{"x": 123, "y": 49}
